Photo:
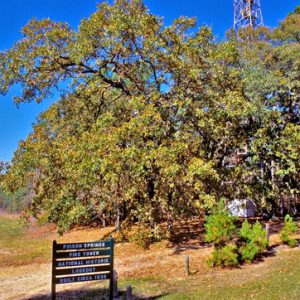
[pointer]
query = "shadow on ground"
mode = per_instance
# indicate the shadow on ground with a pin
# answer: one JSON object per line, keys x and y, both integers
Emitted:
{"x": 188, "y": 235}
{"x": 99, "y": 294}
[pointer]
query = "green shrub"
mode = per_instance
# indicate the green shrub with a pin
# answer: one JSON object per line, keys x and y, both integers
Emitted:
{"x": 142, "y": 237}
{"x": 158, "y": 234}
{"x": 255, "y": 234}
{"x": 259, "y": 236}
{"x": 252, "y": 241}
{"x": 145, "y": 236}
{"x": 220, "y": 229}
{"x": 226, "y": 256}
{"x": 248, "y": 252}
{"x": 232, "y": 246}
{"x": 288, "y": 231}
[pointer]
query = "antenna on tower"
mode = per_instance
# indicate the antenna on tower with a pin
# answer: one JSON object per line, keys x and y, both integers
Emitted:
{"x": 247, "y": 13}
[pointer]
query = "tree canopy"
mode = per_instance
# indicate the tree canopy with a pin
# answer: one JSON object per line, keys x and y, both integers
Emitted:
{"x": 152, "y": 120}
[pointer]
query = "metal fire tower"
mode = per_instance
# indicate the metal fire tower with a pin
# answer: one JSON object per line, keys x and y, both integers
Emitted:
{"x": 247, "y": 13}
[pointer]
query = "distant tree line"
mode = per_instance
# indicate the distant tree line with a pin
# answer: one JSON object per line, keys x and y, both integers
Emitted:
{"x": 154, "y": 122}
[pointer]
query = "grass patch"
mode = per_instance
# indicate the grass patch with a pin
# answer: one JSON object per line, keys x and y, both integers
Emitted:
{"x": 9, "y": 229}
{"x": 280, "y": 279}
{"x": 16, "y": 248}
{"x": 157, "y": 273}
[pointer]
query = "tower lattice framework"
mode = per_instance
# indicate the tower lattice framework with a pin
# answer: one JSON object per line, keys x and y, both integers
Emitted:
{"x": 247, "y": 13}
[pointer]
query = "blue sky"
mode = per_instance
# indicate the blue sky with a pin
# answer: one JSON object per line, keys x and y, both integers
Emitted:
{"x": 15, "y": 123}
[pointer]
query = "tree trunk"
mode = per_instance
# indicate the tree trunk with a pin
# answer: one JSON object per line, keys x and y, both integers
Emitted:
{"x": 118, "y": 221}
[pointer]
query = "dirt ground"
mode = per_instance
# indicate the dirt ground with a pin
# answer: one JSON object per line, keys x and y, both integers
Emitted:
{"x": 32, "y": 281}
{"x": 164, "y": 259}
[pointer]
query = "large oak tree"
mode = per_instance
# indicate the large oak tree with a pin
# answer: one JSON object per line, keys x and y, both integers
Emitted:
{"x": 151, "y": 117}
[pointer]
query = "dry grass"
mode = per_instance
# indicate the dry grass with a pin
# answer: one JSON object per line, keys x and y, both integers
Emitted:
{"x": 26, "y": 255}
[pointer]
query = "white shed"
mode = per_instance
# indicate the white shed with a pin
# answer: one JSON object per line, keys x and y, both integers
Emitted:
{"x": 242, "y": 208}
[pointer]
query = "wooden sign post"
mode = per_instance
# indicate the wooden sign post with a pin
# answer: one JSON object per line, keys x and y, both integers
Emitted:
{"x": 79, "y": 262}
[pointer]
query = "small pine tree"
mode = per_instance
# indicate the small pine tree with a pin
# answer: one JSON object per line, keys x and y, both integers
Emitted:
{"x": 220, "y": 230}
{"x": 252, "y": 241}
{"x": 226, "y": 256}
{"x": 220, "y": 227}
{"x": 288, "y": 231}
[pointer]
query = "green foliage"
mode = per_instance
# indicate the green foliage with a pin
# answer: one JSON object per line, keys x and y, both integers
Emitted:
{"x": 270, "y": 60}
{"x": 232, "y": 246}
{"x": 252, "y": 241}
{"x": 75, "y": 213}
{"x": 16, "y": 201}
{"x": 248, "y": 252}
{"x": 226, "y": 256}
{"x": 288, "y": 231}
{"x": 220, "y": 228}
{"x": 145, "y": 236}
